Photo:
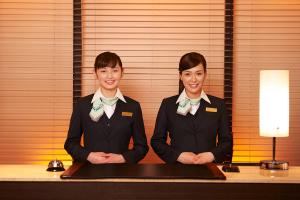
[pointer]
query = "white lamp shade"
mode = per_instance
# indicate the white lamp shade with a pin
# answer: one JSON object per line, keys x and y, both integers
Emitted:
{"x": 274, "y": 103}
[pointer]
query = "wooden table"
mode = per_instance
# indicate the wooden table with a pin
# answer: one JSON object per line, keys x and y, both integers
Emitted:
{"x": 34, "y": 182}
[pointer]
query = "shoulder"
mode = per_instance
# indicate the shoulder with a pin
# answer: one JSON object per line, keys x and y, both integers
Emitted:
{"x": 216, "y": 101}
{"x": 169, "y": 103}
{"x": 131, "y": 100}
{"x": 131, "y": 103}
{"x": 86, "y": 100}
{"x": 170, "y": 100}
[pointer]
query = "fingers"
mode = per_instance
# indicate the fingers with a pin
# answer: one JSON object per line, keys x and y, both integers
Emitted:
{"x": 191, "y": 158}
{"x": 186, "y": 158}
{"x": 115, "y": 158}
{"x": 97, "y": 157}
{"x": 205, "y": 157}
{"x": 103, "y": 158}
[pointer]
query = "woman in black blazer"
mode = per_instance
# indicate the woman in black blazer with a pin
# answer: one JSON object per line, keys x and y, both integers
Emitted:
{"x": 196, "y": 123}
{"x": 107, "y": 120}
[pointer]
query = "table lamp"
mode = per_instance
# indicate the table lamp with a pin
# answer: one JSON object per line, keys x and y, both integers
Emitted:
{"x": 274, "y": 111}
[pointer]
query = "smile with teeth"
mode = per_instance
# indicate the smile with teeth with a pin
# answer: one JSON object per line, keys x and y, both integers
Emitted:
{"x": 193, "y": 85}
{"x": 110, "y": 82}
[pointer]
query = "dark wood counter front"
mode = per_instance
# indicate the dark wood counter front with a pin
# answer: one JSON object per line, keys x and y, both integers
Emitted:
{"x": 34, "y": 182}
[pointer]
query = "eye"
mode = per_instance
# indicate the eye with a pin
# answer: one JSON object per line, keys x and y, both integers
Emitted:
{"x": 102, "y": 70}
{"x": 199, "y": 73}
{"x": 187, "y": 74}
{"x": 116, "y": 70}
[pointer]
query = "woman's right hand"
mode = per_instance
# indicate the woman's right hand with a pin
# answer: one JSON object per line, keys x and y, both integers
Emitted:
{"x": 101, "y": 158}
{"x": 97, "y": 157}
{"x": 186, "y": 158}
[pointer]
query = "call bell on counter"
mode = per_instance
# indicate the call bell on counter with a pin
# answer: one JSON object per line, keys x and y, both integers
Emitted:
{"x": 55, "y": 166}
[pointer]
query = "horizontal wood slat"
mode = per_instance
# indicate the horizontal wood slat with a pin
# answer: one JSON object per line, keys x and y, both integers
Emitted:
{"x": 266, "y": 37}
{"x": 35, "y": 80}
{"x": 150, "y": 37}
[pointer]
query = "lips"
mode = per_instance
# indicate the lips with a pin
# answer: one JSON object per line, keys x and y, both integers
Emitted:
{"x": 110, "y": 82}
{"x": 193, "y": 85}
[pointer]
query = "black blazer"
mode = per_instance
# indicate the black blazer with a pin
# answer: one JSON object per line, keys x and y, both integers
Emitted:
{"x": 107, "y": 135}
{"x": 206, "y": 131}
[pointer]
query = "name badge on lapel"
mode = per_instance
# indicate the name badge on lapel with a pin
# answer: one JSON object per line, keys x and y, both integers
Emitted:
{"x": 127, "y": 114}
{"x": 210, "y": 109}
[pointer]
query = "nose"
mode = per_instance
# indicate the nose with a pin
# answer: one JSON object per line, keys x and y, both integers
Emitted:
{"x": 109, "y": 74}
{"x": 193, "y": 77}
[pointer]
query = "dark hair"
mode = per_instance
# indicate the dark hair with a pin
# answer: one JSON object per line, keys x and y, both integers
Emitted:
{"x": 191, "y": 60}
{"x": 107, "y": 59}
{"x": 188, "y": 61}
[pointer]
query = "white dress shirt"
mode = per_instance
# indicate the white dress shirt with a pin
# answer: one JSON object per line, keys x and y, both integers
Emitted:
{"x": 194, "y": 108}
{"x": 109, "y": 110}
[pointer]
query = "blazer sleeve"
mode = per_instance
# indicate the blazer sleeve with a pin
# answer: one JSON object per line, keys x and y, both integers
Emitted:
{"x": 223, "y": 149}
{"x": 72, "y": 143}
{"x": 159, "y": 138}
{"x": 140, "y": 146}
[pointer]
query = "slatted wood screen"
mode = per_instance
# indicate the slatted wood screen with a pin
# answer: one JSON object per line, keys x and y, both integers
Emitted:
{"x": 35, "y": 79}
{"x": 267, "y": 36}
{"x": 150, "y": 37}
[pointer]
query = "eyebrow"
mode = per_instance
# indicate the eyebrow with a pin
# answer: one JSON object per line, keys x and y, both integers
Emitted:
{"x": 200, "y": 70}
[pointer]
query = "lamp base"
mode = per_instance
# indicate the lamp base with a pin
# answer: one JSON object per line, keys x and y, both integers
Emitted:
{"x": 274, "y": 165}
{"x": 230, "y": 168}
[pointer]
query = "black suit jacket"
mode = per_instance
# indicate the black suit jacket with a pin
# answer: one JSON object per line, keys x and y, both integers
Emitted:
{"x": 107, "y": 135}
{"x": 206, "y": 131}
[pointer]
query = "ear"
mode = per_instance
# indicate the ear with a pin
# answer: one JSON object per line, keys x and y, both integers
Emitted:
{"x": 122, "y": 72}
{"x": 95, "y": 74}
{"x": 180, "y": 75}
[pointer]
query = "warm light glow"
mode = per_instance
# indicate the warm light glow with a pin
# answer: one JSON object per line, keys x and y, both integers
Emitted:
{"x": 274, "y": 103}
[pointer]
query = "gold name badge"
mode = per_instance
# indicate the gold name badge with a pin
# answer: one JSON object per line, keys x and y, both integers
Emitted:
{"x": 209, "y": 109}
{"x": 127, "y": 114}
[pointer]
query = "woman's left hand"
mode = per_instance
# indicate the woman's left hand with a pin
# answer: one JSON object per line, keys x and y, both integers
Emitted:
{"x": 115, "y": 158}
{"x": 205, "y": 157}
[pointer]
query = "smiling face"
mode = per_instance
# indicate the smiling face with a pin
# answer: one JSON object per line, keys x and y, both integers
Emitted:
{"x": 109, "y": 78}
{"x": 193, "y": 80}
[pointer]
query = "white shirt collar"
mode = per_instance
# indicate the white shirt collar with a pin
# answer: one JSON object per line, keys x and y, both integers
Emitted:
{"x": 98, "y": 94}
{"x": 183, "y": 96}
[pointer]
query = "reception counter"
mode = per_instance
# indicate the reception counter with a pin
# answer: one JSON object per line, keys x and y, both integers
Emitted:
{"x": 34, "y": 182}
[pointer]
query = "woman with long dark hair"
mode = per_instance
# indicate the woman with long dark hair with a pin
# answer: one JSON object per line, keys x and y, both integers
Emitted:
{"x": 196, "y": 122}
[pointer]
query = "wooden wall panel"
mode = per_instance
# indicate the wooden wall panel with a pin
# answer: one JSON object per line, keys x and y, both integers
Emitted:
{"x": 267, "y": 36}
{"x": 35, "y": 80}
{"x": 150, "y": 36}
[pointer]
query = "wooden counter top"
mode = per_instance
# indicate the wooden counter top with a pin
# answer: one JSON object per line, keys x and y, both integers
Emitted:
{"x": 248, "y": 174}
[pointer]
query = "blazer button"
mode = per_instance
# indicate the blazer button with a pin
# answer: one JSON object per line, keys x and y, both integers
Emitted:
{"x": 108, "y": 124}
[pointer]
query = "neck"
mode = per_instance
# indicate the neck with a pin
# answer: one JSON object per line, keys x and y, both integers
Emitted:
{"x": 108, "y": 93}
{"x": 193, "y": 95}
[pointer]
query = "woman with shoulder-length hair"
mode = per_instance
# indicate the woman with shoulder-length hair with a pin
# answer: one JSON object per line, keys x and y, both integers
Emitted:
{"x": 196, "y": 122}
